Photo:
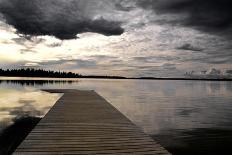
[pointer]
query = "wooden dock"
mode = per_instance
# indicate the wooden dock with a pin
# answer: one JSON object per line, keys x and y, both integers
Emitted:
{"x": 82, "y": 122}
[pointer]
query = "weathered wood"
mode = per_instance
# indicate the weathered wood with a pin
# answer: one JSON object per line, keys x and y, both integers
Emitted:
{"x": 82, "y": 122}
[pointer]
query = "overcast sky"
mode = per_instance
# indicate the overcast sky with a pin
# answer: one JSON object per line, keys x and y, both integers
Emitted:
{"x": 162, "y": 38}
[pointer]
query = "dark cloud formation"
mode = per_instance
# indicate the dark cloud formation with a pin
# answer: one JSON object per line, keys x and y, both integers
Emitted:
{"x": 213, "y": 16}
{"x": 189, "y": 47}
{"x": 59, "y": 18}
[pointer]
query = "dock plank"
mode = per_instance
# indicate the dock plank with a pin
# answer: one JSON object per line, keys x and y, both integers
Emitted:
{"x": 83, "y": 122}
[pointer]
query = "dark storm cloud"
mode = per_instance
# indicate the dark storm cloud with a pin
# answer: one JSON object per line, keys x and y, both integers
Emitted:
{"x": 189, "y": 47}
{"x": 59, "y": 18}
{"x": 213, "y": 16}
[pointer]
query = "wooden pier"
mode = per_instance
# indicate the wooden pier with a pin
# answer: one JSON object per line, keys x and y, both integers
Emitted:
{"x": 82, "y": 122}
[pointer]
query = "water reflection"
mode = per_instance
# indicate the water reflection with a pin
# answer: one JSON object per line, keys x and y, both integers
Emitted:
{"x": 14, "y": 134}
{"x": 36, "y": 82}
{"x": 197, "y": 141}
{"x": 24, "y": 101}
{"x": 181, "y": 115}
{"x": 20, "y": 109}
{"x": 186, "y": 117}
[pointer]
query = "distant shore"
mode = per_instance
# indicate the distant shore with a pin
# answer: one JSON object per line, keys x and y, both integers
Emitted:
{"x": 105, "y": 77}
{"x": 40, "y": 73}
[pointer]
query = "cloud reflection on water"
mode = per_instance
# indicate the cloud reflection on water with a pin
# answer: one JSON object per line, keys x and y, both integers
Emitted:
{"x": 20, "y": 102}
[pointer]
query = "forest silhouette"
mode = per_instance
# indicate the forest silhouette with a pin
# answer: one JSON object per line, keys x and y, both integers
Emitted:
{"x": 30, "y": 72}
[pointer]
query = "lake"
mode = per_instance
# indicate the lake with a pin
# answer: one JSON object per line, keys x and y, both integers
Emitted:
{"x": 186, "y": 117}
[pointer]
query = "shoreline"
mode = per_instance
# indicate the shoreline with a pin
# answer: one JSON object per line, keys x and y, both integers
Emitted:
{"x": 5, "y": 78}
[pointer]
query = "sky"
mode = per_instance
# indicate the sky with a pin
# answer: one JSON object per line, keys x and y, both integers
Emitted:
{"x": 133, "y": 38}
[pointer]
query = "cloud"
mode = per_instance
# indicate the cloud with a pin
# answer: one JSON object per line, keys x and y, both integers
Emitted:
{"x": 66, "y": 63}
{"x": 229, "y": 72}
{"x": 24, "y": 41}
{"x": 93, "y": 62}
{"x": 23, "y": 51}
{"x": 211, "y": 73}
{"x": 20, "y": 40}
{"x": 56, "y": 44}
{"x": 63, "y": 19}
{"x": 30, "y": 64}
{"x": 214, "y": 71}
{"x": 169, "y": 66}
{"x": 158, "y": 58}
{"x": 212, "y": 16}
{"x": 189, "y": 47}
{"x": 124, "y": 5}
{"x": 103, "y": 57}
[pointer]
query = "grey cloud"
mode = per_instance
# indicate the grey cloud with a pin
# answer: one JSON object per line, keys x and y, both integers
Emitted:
{"x": 74, "y": 63}
{"x": 117, "y": 61}
{"x": 59, "y": 18}
{"x": 218, "y": 60}
{"x": 98, "y": 62}
{"x": 102, "y": 57}
{"x": 189, "y": 47}
{"x": 209, "y": 57}
{"x": 20, "y": 40}
{"x": 229, "y": 71}
{"x": 28, "y": 43}
{"x": 212, "y": 16}
{"x": 56, "y": 44}
{"x": 23, "y": 51}
{"x": 141, "y": 59}
{"x": 30, "y": 65}
{"x": 169, "y": 66}
{"x": 85, "y": 63}
{"x": 25, "y": 40}
{"x": 124, "y": 5}
{"x": 164, "y": 67}
{"x": 212, "y": 73}
{"x": 147, "y": 59}
{"x": 36, "y": 40}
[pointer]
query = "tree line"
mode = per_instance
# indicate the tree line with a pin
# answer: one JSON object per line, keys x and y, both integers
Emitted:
{"x": 30, "y": 72}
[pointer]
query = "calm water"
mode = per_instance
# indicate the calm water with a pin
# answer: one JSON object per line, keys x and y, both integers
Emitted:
{"x": 186, "y": 117}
